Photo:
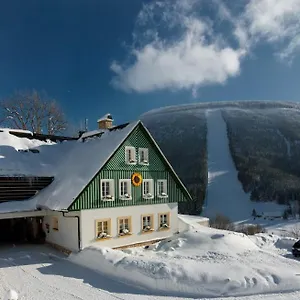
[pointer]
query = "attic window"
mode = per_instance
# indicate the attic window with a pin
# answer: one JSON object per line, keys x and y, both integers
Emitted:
{"x": 107, "y": 190}
{"x": 143, "y": 156}
{"x": 162, "y": 188}
{"x": 130, "y": 155}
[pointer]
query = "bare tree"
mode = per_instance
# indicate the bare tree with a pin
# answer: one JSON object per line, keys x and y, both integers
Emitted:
{"x": 295, "y": 231}
{"x": 32, "y": 110}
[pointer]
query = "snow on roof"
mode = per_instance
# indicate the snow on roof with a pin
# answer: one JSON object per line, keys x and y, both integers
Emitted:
{"x": 92, "y": 133}
{"x": 13, "y": 163}
{"x": 72, "y": 163}
{"x": 106, "y": 117}
{"x": 16, "y": 130}
{"x": 79, "y": 167}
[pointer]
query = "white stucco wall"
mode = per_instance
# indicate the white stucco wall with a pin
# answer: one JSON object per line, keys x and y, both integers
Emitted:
{"x": 67, "y": 233}
{"x": 89, "y": 217}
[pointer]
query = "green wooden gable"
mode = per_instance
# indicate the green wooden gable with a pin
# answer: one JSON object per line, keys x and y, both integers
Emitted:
{"x": 116, "y": 168}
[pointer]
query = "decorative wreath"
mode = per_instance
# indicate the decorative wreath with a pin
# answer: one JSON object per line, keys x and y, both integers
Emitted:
{"x": 136, "y": 179}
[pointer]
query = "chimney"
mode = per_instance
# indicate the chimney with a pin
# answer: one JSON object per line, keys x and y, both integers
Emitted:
{"x": 105, "y": 122}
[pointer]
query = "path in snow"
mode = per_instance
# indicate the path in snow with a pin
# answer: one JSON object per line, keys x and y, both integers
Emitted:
{"x": 225, "y": 194}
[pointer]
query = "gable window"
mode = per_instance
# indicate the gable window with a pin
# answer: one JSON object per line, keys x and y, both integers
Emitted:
{"x": 107, "y": 190}
{"x": 148, "y": 189}
{"x": 143, "y": 156}
{"x": 55, "y": 223}
{"x": 164, "y": 221}
{"x": 124, "y": 226}
{"x": 130, "y": 155}
{"x": 103, "y": 229}
{"x": 147, "y": 223}
{"x": 125, "y": 189}
{"x": 162, "y": 188}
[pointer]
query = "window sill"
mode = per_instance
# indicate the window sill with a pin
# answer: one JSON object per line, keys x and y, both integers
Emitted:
{"x": 103, "y": 239}
{"x": 143, "y": 164}
{"x": 125, "y": 235}
{"x": 148, "y": 231}
{"x": 148, "y": 198}
{"x": 55, "y": 229}
{"x": 163, "y": 228}
{"x": 131, "y": 163}
{"x": 107, "y": 200}
{"x": 162, "y": 197}
{"x": 125, "y": 199}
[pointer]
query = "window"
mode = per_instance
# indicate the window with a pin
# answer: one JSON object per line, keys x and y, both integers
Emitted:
{"x": 148, "y": 189}
{"x": 130, "y": 155}
{"x": 124, "y": 226}
{"x": 125, "y": 189}
{"x": 164, "y": 221}
{"x": 55, "y": 223}
{"x": 107, "y": 189}
{"x": 162, "y": 188}
{"x": 147, "y": 223}
{"x": 143, "y": 156}
{"x": 103, "y": 229}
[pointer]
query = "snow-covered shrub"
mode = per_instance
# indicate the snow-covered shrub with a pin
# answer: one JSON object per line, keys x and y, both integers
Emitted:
{"x": 250, "y": 229}
{"x": 221, "y": 222}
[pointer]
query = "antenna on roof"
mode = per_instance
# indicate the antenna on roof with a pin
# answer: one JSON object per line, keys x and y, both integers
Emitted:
{"x": 86, "y": 124}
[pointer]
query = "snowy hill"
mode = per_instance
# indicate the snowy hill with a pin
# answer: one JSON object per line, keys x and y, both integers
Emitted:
{"x": 247, "y": 150}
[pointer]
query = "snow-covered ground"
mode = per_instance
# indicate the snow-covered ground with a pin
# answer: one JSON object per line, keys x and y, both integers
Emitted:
{"x": 201, "y": 263}
{"x": 225, "y": 194}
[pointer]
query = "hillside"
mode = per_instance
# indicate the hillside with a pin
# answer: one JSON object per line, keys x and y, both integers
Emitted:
{"x": 263, "y": 138}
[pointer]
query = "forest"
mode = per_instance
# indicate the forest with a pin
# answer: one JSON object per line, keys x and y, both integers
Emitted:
{"x": 264, "y": 141}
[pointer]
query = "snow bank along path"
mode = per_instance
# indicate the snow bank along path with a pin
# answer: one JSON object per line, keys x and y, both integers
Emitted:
{"x": 225, "y": 194}
{"x": 38, "y": 272}
{"x": 201, "y": 262}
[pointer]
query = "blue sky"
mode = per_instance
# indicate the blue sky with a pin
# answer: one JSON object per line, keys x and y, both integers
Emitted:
{"x": 127, "y": 57}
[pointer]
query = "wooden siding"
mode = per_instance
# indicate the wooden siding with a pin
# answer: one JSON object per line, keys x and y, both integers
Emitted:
{"x": 116, "y": 168}
{"x": 19, "y": 188}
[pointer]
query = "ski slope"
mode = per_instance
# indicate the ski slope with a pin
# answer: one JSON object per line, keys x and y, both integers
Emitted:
{"x": 225, "y": 194}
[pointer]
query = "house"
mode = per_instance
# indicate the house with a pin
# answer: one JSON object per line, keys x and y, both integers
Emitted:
{"x": 112, "y": 187}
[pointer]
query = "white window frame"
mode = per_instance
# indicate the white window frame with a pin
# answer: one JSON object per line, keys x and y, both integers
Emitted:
{"x": 151, "y": 188}
{"x": 164, "y": 194}
{"x": 111, "y": 189}
{"x": 130, "y": 148}
{"x": 146, "y": 155}
{"x": 129, "y": 190}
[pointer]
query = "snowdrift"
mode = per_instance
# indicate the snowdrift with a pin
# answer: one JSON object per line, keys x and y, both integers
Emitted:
{"x": 202, "y": 262}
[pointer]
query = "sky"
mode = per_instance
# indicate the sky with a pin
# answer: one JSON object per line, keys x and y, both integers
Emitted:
{"x": 128, "y": 57}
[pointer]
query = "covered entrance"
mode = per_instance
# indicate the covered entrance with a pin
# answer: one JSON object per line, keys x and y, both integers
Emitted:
{"x": 18, "y": 228}
{"x": 22, "y": 230}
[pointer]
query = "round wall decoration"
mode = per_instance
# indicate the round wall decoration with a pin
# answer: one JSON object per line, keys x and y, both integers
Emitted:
{"x": 136, "y": 179}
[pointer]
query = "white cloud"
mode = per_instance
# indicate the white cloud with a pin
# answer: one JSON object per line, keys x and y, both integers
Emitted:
{"x": 177, "y": 47}
{"x": 275, "y": 21}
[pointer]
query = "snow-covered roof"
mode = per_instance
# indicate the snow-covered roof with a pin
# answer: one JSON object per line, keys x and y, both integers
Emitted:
{"x": 72, "y": 163}
{"x": 92, "y": 133}
{"x": 16, "y": 130}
